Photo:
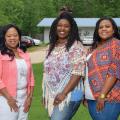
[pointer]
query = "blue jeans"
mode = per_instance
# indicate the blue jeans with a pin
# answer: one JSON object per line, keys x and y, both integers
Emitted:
{"x": 67, "y": 113}
{"x": 111, "y": 111}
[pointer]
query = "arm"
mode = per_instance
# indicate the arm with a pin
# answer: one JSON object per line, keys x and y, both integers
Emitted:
{"x": 28, "y": 100}
{"x": 4, "y": 92}
{"x": 114, "y": 68}
{"x": 109, "y": 83}
{"x": 112, "y": 76}
{"x": 71, "y": 84}
{"x": 69, "y": 87}
{"x": 77, "y": 56}
{"x": 30, "y": 95}
{"x": 11, "y": 101}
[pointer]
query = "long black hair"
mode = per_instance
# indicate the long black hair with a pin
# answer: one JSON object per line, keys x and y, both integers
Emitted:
{"x": 73, "y": 34}
{"x": 96, "y": 37}
{"x": 5, "y": 49}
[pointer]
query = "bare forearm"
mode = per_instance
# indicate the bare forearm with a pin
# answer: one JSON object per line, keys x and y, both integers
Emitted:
{"x": 109, "y": 82}
{"x": 5, "y": 93}
{"x": 71, "y": 84}
{"x": 31, "y": 91}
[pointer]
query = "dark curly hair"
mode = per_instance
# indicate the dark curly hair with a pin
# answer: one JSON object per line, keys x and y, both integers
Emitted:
{"x": 73, "y": 34}
{"x": 5, "y": 49}
{"x": 65, "y": 9}
{"x": 96, "y": 37}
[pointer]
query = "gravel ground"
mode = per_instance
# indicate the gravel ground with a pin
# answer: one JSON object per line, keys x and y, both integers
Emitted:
{"x": 38, "y": 56}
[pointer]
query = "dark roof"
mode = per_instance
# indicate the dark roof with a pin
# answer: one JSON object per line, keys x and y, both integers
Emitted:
{"x": 81, "y": 22}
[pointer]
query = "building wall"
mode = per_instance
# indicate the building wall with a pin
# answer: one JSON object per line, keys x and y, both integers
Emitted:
{"x": 86, "y": 31}
{"x": 46, "y": 35}
{"x": 86, "y": 35}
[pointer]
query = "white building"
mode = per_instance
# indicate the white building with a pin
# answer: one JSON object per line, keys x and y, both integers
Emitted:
{"x": 85, "y": 25}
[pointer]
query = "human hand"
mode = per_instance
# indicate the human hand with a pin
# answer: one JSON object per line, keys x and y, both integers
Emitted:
{"x": 59, "y": 98}
{"x": 85, "y": 103}
{"x": 27, "y": 104}
{"x": 100, "y": 104}
{"x": 12, "y": 103}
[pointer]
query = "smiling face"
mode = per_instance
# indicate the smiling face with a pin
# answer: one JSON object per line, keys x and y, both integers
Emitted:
{"x": 63, "y": 29}
{"x": 12, "y": 38}
{"x": 105, "y": 30}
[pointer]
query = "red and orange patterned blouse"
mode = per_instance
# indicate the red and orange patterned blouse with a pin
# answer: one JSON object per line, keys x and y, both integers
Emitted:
{"x": 103, "y": 62}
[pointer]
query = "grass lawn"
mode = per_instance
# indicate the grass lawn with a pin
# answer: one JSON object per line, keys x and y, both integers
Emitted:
{"x": 37, "y": 111}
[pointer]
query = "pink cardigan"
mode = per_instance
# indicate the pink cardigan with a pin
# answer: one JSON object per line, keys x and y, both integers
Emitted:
{"x": 8, "y": 72}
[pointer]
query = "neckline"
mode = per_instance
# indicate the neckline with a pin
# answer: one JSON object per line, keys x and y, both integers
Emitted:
{"x": 19, "y": 58}
{"x": 107, "y": 41}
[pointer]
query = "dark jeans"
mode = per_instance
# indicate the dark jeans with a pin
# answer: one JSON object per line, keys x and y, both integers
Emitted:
{"x": 111, "y": 111}
{"x": 67, "y": 113}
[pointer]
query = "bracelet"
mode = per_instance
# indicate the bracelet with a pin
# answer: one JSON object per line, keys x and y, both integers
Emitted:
{"x": 102, "y": 96}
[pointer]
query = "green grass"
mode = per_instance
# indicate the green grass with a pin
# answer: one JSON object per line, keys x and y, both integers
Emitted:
{"x": 37, "y": 111}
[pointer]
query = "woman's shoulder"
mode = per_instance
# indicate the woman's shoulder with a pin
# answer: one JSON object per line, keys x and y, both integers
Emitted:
{"x": 78, "y": 45}
{"x": 4, "y": 57}
{"x": 115, "y": 41}
{"x": 25, "y": 55}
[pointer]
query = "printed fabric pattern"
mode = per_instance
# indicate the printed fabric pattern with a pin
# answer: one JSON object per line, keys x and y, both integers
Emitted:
{"x": 59, "y": 67}
{"x": 103, "y": 62}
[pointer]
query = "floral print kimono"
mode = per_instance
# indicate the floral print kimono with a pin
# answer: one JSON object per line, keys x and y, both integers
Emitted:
{"x": 58, "y": 68}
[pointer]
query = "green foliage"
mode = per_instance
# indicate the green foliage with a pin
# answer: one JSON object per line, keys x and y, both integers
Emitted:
{"x": 3, "y": 19}
{"x": 34, "y": 11}
{"x": 27, "y": 13}
{"x": 11, "y": 11}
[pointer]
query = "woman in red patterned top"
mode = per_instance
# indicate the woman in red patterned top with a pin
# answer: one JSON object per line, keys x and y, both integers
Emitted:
{"x": 102, "y": 85}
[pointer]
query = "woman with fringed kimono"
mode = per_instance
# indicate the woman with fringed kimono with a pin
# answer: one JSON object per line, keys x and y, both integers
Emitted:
{"x": 63, "y": 69}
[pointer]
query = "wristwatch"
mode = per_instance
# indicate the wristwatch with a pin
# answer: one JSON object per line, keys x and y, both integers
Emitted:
{"x": 102, "y": 96}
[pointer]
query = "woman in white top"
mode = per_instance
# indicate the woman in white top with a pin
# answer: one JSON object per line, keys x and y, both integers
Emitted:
{"x": 16, "y": 77}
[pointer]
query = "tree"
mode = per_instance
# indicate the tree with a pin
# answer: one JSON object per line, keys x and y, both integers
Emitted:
{"x": 11, "y": 11}
{"x": 34, "y": 11}
{"x": 27, "y": 13}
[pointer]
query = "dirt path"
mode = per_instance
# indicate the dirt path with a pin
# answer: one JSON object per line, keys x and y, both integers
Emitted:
{"x": 38, "y": 56}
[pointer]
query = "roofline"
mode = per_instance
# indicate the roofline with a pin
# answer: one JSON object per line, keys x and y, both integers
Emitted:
{"x": 93, "y": 23}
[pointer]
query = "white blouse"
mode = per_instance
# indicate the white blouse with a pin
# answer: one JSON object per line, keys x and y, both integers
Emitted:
{"x": 22, "y": 79}
{"x": 88, "y": 92}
